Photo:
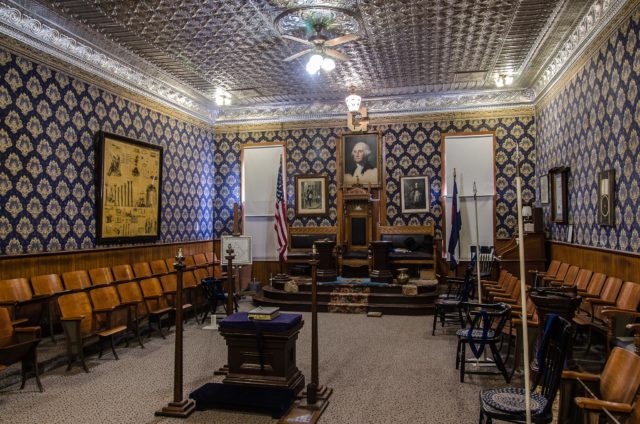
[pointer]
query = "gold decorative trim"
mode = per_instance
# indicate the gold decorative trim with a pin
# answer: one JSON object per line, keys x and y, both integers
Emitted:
{"x": 406, "y": 229}
{"x": 588, "y": 54}
{"x": 512, "y": 112}
{"x": 313, "y": 230}
{"x": 36, "y": 56}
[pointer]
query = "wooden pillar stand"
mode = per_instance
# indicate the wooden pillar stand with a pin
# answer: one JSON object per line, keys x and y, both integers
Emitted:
{"x": 180, "y": 407}
{"x": 316, "y": 397}
{"x": 224, "y": 370}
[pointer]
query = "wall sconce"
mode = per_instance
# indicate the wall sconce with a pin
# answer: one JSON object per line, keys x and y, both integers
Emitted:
{"x": 358, "y": 115}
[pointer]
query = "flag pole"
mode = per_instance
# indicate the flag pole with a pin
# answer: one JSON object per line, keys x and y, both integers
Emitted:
{"x": 475, "y": 201}
{"x": 523, "y": 291}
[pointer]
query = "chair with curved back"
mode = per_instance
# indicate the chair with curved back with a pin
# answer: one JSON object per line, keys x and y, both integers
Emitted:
{"x": 508, "y": 403}
{"x": 76, "y": 280}
{"x": 485, "y": 323}
{"x": 19, "y": 344}
{"x": 613, "y": 390}
{"x": 123, "y": 272}
{"x": 101, "y": 276}
{"x": 157, "y": 303}
{"x": 17, "y": 296}
{"x": 48, "y": 285}
{"x": 81, "y": 327}
{"x": 110, "y": 310}
{"x": 448, "y": 308}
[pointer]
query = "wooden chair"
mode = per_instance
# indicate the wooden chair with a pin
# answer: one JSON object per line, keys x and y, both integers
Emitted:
{"x": 101, "y": 276}
{"x": 76, "y": 280}
{"x": 123, "y": 273}
{"x": 111, "y": 311}
{"x": 19, "y": 344}
{"x": 559, "y": 276}
{"x": 142, "y": 270}
{"x": 189, "y": 281}
{"x": 569, "y": 278}
{"x": 594, "y": 287}
{"x": 217, "y": 265}
{"x": 81, "y": 327}
{"x": 201, "y": 261}
{"x": 621, "y": 324}
{"x": 550, "y": 272}
{"x": 609, "y": 292}
{"x": 17, "y": 296}
{"x": 169, "y": 282}
{"x": 553, "y": 354}
{"x": 48, "y": 285}
{"x": 156, "y": 302}
{"x": 131, "y": 294}
{"x": 614, "y": 390}
{"x": 448, "y": 308}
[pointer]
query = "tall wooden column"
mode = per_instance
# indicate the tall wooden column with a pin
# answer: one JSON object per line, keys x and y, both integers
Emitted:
{"x": 180, "y": 408}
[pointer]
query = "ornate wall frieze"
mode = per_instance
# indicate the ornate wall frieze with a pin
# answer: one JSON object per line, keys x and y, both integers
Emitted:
{"x": 378, "y": 108}
{"x": 33, "y": 32}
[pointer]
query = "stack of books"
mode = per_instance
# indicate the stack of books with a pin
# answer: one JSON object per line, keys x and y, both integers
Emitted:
{"x": 264, "y": 313}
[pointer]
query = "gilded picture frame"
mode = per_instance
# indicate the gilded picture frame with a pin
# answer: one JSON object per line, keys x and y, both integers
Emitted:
{"x": 128, "y": 184}
{"x": 312, "y": 195}
{"x": 361, "y": 159}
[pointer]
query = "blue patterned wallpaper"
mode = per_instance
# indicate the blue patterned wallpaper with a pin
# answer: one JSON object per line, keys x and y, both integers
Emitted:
{"x": 47, "y": 186}
{"x": 410, "y": 148}
{"x": 591, "y": 124}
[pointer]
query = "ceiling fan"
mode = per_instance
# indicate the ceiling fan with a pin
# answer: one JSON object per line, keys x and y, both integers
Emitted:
{"x": 321, "y": 47}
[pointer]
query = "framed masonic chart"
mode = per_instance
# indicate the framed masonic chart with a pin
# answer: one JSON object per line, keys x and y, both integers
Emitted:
{"x": 129, "y": 178}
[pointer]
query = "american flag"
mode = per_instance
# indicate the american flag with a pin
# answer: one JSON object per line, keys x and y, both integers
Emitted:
{"x": 281, "y": 217}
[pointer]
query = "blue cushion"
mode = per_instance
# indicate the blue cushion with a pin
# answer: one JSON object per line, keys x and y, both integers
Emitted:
{"x": 241, "y": 321}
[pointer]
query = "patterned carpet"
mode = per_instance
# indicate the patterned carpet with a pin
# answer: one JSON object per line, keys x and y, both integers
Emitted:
{"x": 382, "y": 370}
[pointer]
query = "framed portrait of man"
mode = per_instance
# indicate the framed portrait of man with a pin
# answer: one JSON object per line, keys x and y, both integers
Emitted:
{"x": 312, "y": 196}
{"x": 414, "y": 194}
{"x": 361, "y": 159}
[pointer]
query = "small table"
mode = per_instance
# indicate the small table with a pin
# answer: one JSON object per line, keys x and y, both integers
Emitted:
{"x": 326, "y": 270}
{"x": 263, "y": 353}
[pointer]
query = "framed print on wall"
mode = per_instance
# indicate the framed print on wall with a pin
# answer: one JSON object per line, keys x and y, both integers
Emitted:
{"x": 361, "y": 159}
{"x": 241, "y": 246}
{"x": 559, "y": 204}
{"x": 414, "y": 194}
{"x": 544, "y": 189}
{"x": 129, "y": 179}
{"x": 606, "y": 197}
{"x": 312, "y": 196}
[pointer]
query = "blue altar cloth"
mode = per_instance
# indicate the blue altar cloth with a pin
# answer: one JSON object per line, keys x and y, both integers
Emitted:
{"x": 241, "y": 321}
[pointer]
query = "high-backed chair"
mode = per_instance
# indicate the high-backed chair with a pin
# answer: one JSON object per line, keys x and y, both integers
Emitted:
{"x": 111, "y": 311}
{"x": 508, "y": 404}
{"x": 76, "y": 280}
{"x": 157, "y": 304}
{"x": 616, "y": 387}
{"x": 123, "y": 272}
{"x": 17, "y": 296}
{"x": 101, "y": 276}
{"x": 48, "y": 285}
{"x": 81, "y": 327}
{"x": 19, "y": 344}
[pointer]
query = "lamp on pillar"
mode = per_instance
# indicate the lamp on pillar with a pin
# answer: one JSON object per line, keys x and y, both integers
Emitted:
{"x": 358, "y": 115}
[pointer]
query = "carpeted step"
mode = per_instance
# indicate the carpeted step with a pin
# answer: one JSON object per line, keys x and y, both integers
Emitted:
{"x": 397, "y": 297}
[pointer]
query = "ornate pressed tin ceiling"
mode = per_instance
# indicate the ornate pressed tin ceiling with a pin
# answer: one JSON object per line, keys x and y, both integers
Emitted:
{"x": 413, "y": 56}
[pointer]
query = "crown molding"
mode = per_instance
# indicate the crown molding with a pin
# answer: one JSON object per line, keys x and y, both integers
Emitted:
{"x": 26, "y": 26}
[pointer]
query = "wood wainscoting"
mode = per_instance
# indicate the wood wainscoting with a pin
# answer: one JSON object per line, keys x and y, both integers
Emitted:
{"x": 29, "y": 265}
{"x": 624, "y": 265}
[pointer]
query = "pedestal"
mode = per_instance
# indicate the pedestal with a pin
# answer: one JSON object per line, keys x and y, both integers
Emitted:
{"x": 562, "y": 302}
{"x": 381, "y": 268}
{"x": 263, "y": 353}
{"x": 326, "y": 261}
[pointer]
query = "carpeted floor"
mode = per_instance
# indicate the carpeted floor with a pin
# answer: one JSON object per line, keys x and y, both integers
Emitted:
{"x": 382, "y": 370}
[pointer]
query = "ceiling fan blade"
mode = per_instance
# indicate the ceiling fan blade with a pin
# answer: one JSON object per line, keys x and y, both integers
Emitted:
{"x": 297, "y": 55}
{"x": 336, "y": 54}
{"x": 341, "y": 40}
{"x": 298, "y": 40}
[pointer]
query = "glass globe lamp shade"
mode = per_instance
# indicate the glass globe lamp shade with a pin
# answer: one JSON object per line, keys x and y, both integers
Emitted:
{"x": 353, "y": 102}
{"x": 328, "y": 64}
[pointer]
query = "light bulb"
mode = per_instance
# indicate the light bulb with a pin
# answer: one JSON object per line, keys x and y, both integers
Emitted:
{"x": 312, "y": 68}
{"x": 353, "y": 102}
{"x": 328, "y": 64}
{"x": 316, "y": 60}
